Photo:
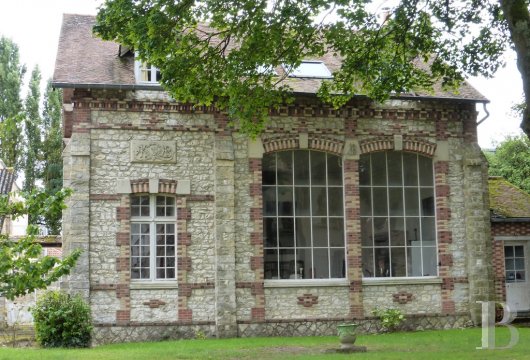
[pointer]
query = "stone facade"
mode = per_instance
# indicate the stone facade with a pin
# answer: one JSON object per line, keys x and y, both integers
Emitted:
{"x": 125, "y": 143}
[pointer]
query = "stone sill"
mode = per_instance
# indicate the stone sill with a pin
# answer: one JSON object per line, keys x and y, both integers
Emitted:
{"x": 306, "y": 283}
{"x": 402, "y": 281}
{"x": 153, "y": 285}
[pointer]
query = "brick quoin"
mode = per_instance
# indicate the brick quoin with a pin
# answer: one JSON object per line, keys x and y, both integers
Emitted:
{"x": 257, "y": 314}
{"x": 185, "y": 315}
{"x": 122, "y": 238}
{"x": 183, "y": 214}
{"x": 123, "y": 213}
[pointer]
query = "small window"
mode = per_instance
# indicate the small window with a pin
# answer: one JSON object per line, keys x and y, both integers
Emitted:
{"x": 153, "y": 237}
{"x": 309, "y": 69}
{"x": 147, "y": 73}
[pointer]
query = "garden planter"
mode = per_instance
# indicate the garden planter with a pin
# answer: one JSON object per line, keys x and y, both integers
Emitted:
{"x": 347, "y": 335}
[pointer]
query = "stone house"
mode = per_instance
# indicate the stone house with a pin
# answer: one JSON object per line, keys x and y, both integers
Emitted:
{"x": 510, "y": 230}
{"x": 188, "y": 225}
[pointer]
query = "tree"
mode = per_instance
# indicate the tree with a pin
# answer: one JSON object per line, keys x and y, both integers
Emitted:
{"x": 11, "y": 74}
{"x": 511, "y": 160}
{"x": 52, "y": 172}
{"x": 33, "y": 129}
{"x": 22, "y": 268}
{"x": 416, "y": 45}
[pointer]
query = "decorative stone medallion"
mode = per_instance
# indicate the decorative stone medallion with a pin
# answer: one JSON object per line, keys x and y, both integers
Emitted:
{"x": 160, "y": 152}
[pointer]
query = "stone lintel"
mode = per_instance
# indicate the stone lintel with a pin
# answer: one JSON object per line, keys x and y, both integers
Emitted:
{"x": 351, "y": 149}
{"x": 303, "y": 140}
{"x": 442, "y": 151}
{"x": 255, "y": 149}
{"x": 183, "y": 187}
{"x": 153, "y": 186}
{"x": 123, "y": 186}
{"x": 398, "y": 142}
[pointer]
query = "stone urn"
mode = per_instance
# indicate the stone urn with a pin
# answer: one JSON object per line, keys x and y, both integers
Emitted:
{"x": 347, "y": 335}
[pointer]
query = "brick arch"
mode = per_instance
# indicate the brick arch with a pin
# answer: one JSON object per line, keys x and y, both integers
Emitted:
{"x": 292, "y": 142}
{"x": 422, "y": 147}
{"x": 164, "y": 186}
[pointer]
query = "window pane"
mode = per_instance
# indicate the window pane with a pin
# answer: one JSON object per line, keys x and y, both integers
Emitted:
{"x": 304, "y": 266}
{"x": 411, "y": 202}
{"x": 144, "y": 228}
{"x": 366, "y": 232}
{"x": 135, "y": 211}
{"x": 320, "y": 232}
{"x": 336, "y": 204}
{"x": 366, "y": 201}
{"x": 170, "y": 239}
{"x": 395, "y": 176}
{"x": 287, "y": 264}
{"x": 427, "y": 202}
{"x": 268, "y": 174}
{"x": 302, "y": 201}
{"x": 135, "y": 200}
{"x": 382, "y": 266}
{"x": 144, "y": 273}
{"x": 285, "y": 168}
{"x": 381, "y": 232}
{"x": 510, "y": 276}
{"x": 413, "y": 231}
{"x": 145, "y": 239}
{"x": 271, "y": 264}
{"x": 336, "y": 232}
{"x": 395, "y": 200}
{"x": 270, "y": 235}
{"x": 410, "y": 169}
{"x": 144, "y": 211}
{"x": 428, "y": 232}
{"x": 135, "y": 240}
{"x": 364, "y": 170}
{"x": 318, "y": 201}
{"x": 429, "y": 261}
{"x": 519, "y": 264}
{"x": 321, "y": 262}
{"x": 508, "y": 251}
{"x": 509, "y": 264}
{"x": 338, "y": 263}
{"x": 135, "y": 273}
{"x": 397, "y": 232}
{"x": 285, "y": 201}
{"x": 286, "y": 232}
{"x": 519, "y": 276}
{"x": 269, "y": 200}
{"x": 170, "y": 273}
{"x": 368, "y": 262}
{"x": 303, "y": 232}
{"x": 301, "y": 167}
{"x": 397, "y": 267}
{"x": 426, "y": 173}
{"x": 318, "y": 168}
{"x": 414, "y": 261}
{"x": 380, "y": 202}
{"x": 170, "y": 251}
{"x": 378, "y": 169}
{"x": 334, "y": 170}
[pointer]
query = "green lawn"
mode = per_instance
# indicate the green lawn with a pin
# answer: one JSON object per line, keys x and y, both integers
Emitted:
{"x": 449, "y": 344}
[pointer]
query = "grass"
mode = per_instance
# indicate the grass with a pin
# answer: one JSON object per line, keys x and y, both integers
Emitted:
{"x": 432, "y": 345}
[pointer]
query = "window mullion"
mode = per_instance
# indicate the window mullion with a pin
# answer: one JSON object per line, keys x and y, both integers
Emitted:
{"x": 312, "y": 270}
{"x": 152, "y": 242}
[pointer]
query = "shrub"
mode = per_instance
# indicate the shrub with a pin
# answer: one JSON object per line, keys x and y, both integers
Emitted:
{"x": 390, "y": 318}
{"x": 62, "y": 320}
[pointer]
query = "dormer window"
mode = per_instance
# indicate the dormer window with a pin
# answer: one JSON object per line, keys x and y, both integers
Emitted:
{"x": 309, "y": 69}
{"x": 147, "y": 73}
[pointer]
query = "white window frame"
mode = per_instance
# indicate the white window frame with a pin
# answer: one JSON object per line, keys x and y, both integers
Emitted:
{"x": 297, "y": 278}
{"x": 404, "y": 216}
{"x": 153, "y": 221}
{"x": 139, "y": 67}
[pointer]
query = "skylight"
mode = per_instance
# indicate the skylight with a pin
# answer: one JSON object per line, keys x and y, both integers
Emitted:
{"x": 310, "y": 69}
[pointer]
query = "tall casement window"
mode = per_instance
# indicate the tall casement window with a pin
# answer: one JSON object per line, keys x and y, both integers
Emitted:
{"x": 398, "y": 231}
{"x": 303, "y": 212}
{"x": 147, "y": 73}
{"x": 153, "y": 240}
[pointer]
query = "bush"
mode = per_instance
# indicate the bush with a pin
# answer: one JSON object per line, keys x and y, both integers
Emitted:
{"x": 62, "y": 320}
{"x": 390, "y": 318}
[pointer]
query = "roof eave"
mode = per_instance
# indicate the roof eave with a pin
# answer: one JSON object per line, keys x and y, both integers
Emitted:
{"x": 124, "y": 87}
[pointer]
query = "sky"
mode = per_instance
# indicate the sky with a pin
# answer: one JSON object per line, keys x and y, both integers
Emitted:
{"x": 34, "y": 26}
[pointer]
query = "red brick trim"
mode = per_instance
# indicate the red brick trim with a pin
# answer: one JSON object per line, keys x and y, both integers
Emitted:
{"x": 103, "y": 287}
{"x": 280, "y": 143}
{"x": 200, "y": 198}
{"x": 330, "y": 145}
{"x": 402, "y": 297}
{"x": 257, "y": 314}
{"x": 154, "y": 303}
{"x": 185, "y": 315}
{"x": 154, "y": 323}
{"x": 123, "y": 238}
{"x": 419, "y": 146}
{"x": 307, "y": 300}
{"x": 382, "y": 144}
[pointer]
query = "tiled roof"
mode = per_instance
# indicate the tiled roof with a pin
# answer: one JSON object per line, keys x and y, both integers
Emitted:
{"x": 507, "y": 200}
{"x": 7, "y": 177}
{"x": 84, "y": 60}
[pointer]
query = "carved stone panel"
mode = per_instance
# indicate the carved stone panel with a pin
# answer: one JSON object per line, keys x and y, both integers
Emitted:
{"x": 160, "y": 152}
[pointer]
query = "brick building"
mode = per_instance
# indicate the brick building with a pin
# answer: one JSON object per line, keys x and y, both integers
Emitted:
{"x": 188, "y": 225}
{"x": 510, "y": 230}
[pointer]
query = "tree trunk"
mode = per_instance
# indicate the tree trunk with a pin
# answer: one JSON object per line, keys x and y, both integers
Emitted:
{"x": 518, "y": 19}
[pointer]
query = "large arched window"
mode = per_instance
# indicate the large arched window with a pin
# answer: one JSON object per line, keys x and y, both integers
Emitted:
{"x": 398, "y": 231}
{"x": 303, "y": 212}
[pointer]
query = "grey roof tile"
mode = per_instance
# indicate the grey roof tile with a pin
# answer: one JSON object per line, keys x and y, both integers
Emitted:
{"x": 84, "y": 59}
